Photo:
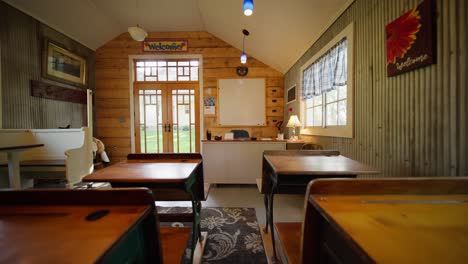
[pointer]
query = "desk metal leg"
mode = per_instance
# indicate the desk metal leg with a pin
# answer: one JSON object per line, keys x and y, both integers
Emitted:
{"x": 14, "y": 170}
{"x": 272, "y": 226}
{"x": 265, "y": 201}
{"x": 196, "y": 231}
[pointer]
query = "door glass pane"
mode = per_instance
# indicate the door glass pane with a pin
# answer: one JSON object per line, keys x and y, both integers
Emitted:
{"x": 184, "y": 129}
{"x": 194, "y": 73}
{"x": 162, "y": 74}
{"x": 184, "y": 121}
{"x": 151, "y": 136}
{"x": 142, "y": 123}
{"x": 171, "y": 74}
{"x": 151, "y": 129}
{"x": 140, "y": 74}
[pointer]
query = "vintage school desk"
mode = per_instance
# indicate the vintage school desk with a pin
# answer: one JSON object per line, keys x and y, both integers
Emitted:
{"x": 391, "y": 220}
{"x": 171, "y": 177}
{"x": 79, "y": 226}
{"x": 289, "y": 172}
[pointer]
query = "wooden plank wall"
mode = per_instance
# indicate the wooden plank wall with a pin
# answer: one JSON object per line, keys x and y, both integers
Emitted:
{"x": 219, "y": 61}
{"x": 414, "y": 124}
{"x": 21, "y": 38}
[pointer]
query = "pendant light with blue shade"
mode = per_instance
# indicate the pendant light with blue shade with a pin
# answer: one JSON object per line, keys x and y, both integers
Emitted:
{"x": 243, "y": 57}
{"x": 248, "y": 7}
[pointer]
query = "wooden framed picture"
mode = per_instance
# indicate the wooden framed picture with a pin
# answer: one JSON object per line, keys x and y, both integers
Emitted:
{"x": 291, "y": 94}
{"x": 63, "y": 66}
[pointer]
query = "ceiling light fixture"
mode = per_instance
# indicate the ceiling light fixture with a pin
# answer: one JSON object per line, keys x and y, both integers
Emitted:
{"x": 243, "y": 57}
{"x": 137, "y": 33}
{"x": 248, "y": 7}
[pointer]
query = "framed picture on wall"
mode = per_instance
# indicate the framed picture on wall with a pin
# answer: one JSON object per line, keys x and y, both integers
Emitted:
{"x": 291, "y": 94}
{"x": 62, "y": 65}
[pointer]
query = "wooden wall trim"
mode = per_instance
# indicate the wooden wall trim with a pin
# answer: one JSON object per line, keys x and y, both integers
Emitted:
{"x": 55, "y": 92}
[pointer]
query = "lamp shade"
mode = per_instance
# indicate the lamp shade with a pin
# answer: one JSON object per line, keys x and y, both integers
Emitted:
{"x": 243, "y": 58}
{"x": 248, "y": 7}
{"x": 294, "y": 121}
{"x": 137, "y": 33}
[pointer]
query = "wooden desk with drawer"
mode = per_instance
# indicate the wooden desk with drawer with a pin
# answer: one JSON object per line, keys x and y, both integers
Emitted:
{"x": 410, "y": 220}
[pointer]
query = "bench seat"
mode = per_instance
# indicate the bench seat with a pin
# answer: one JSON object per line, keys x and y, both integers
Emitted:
{"x": 289, "y": 236}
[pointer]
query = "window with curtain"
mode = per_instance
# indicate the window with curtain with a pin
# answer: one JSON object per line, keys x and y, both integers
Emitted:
{"x": 324, "y": 88}
{"x": 327, "y": 88}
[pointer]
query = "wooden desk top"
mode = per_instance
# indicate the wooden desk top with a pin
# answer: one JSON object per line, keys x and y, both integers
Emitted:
{"x": 146, "y": 171}
{"x": 317, "y": 165}
{"x": 402, "y": 228}
{"x": 19, "y": 147}
{"x": 47, "y": 234}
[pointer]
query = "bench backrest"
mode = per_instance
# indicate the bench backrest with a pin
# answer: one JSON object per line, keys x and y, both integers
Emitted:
{"x": 56, "y": 142}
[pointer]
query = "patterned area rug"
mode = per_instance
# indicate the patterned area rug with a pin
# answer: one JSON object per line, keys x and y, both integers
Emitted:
{"x": 233, "y": 235}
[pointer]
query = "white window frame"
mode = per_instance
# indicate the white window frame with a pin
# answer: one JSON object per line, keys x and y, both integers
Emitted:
{"x": 346, "y": 131}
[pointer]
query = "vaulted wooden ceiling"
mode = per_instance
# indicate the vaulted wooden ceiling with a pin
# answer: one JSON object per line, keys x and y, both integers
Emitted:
{"x": 280, "y": 31}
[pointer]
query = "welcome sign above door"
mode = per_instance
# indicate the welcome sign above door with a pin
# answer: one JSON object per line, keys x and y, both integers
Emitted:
{"x": 165, "y": 45}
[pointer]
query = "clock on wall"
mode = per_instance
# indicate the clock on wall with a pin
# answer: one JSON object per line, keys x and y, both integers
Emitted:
{"x": 242, "y": 71}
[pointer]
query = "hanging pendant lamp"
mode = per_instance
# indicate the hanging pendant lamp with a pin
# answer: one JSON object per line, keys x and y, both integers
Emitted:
{"x": 243, "y": 57}
{"x": 137, "y": 33}
{"x": 248, "y": 7}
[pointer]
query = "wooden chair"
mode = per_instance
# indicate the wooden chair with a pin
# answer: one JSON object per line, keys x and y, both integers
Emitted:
{"x": 320, "y": 239}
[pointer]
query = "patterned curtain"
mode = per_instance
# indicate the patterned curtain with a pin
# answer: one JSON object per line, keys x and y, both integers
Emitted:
{"x": 326, "y": 73}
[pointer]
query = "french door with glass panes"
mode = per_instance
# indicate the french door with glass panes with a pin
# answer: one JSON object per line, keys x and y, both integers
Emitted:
{"x": 166, "y": 117}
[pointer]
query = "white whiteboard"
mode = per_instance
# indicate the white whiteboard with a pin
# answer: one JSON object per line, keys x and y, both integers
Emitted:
{"x": 241, "y": 102}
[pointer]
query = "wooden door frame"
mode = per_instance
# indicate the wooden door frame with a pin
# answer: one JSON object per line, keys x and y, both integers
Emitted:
{"x": 131, "y": 79}
{"x": 166, "y": 88}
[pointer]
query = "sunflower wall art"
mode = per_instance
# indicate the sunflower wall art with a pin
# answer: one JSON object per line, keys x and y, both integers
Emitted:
{"x": 411, "y": 39}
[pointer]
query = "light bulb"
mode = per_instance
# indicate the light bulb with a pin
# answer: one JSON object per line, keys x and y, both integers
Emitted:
{"x": 243, "y": 58}
{"x": 248, "y": 7}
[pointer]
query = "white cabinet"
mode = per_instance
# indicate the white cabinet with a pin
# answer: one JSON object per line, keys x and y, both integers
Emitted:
{"x": 236, "y": 162}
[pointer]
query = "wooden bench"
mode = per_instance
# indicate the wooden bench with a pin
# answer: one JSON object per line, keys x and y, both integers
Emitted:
{"x": 323, "y": 236}
{"x": 67, "y": 154}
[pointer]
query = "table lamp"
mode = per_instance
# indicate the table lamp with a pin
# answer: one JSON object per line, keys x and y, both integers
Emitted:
{"x": 294, "y": 122}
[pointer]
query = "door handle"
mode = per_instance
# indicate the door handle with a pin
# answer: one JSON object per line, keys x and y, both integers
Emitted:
{"x": 169, "y": 127}
{"x": 165, "y": 127}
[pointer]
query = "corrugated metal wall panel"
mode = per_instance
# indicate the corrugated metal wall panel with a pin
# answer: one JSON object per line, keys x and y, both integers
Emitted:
{"x": 21, "y": 38}
{"x": 413, "y": 124}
